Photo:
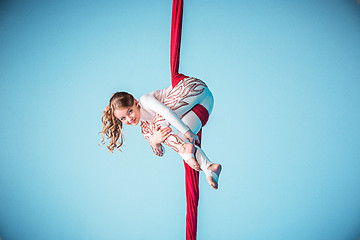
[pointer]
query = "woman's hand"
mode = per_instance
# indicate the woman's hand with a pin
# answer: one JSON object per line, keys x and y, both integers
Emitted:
{"x": 160, "y": 135}
{"x": 192, "y": 137}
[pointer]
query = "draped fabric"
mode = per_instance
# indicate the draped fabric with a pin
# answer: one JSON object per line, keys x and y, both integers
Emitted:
{"x": 176, "y": 26}
{"x": 191, "y": 176}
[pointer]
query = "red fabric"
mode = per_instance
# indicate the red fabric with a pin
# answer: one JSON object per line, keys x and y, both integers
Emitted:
{"x": 192, "y": 199}
{"x": 192, "y": 185}
{"x": 191, "y": 176}
{"x": 176, "y": 25}
{"x": 202, "y": 113}
{"x": 176, "y": 78}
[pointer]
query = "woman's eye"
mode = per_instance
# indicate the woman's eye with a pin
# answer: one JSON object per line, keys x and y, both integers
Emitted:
{"x": 122, "y": 119}
{"x": 130, "y": 111}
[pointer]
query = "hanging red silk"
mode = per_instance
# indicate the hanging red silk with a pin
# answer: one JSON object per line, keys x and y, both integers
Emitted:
{"x": 191, "y": 176}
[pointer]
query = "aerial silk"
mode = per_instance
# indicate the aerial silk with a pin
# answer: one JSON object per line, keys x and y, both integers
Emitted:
{"x": 191, "y": 176}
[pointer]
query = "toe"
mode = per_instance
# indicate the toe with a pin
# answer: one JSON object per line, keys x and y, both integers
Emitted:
{"x": 212, "y": 182}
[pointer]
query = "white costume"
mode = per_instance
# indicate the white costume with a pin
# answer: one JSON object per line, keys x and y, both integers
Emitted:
{"x": 173, "y": 106}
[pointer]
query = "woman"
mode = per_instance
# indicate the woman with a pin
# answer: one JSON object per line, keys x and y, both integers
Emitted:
{"x": 156, "y": 112}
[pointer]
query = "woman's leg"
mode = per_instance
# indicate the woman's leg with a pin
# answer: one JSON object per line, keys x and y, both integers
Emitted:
{"x": 188, "y": 93}
{"x": 187, "y": 150}
{"x": 179, "y": 143}
{"x": 184, "y": 148}
{"x": 211, "y": 170}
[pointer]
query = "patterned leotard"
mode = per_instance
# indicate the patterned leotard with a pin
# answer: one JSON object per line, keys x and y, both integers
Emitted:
{"x": 166, "y": 107}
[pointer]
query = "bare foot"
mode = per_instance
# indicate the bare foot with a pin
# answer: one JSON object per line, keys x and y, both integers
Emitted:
{"x": 211, "y": 179}
{"x": 188, "y": 148}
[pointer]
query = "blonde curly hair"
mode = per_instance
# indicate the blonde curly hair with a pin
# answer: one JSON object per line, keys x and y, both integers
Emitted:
{"x": 112, "y": 127}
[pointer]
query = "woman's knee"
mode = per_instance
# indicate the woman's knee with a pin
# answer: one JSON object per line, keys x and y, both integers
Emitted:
{"x": 208, "y": 100}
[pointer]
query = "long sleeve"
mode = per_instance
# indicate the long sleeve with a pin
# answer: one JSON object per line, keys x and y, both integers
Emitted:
{"x": 150, "y": 103}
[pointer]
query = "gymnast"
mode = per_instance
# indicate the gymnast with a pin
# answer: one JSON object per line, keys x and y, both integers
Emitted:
{"x": 165, "y": 116}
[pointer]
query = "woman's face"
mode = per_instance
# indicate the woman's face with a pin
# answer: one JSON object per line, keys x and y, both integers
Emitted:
{"x": 128, "y": 115}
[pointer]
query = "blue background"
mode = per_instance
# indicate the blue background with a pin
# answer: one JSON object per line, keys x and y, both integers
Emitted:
{"x": 285, "y": 126}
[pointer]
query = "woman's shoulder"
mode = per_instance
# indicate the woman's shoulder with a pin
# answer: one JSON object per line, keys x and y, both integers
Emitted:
{"x": 159, "y": 95}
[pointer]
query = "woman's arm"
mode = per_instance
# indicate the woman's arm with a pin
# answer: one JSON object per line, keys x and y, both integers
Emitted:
{"x": 149, "y": 101}
{"x": 147, "y": 132}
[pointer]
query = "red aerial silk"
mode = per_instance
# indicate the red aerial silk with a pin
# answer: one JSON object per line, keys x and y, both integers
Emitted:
{"x": 191, "y": 176}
